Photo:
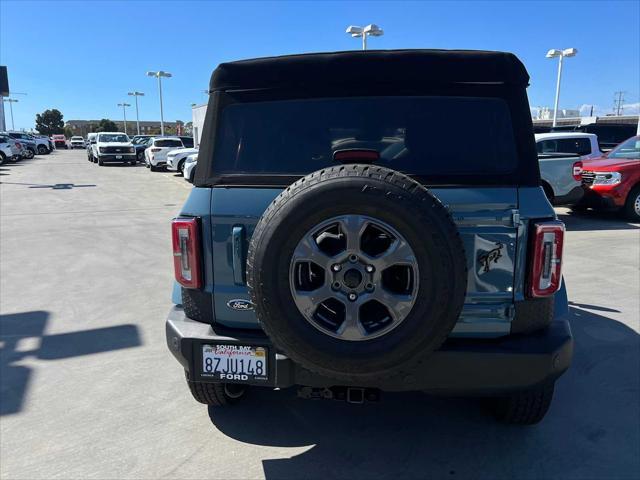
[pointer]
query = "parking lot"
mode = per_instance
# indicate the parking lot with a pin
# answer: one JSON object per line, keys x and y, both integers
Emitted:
{"x": 89, "y": 389}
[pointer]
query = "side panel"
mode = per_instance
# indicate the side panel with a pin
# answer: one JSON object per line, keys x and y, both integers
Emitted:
{"x": 485, "y": 218}
{"x": 558, "y": 172}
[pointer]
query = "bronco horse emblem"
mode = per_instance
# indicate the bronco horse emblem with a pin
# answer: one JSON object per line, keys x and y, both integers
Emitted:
{"x": 492, "y": 255}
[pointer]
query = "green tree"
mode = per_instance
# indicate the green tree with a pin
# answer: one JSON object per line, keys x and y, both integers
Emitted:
{"x": 68, "y": 132}
{"x": 107, "y": 125}
{"x": 50, "y": 122}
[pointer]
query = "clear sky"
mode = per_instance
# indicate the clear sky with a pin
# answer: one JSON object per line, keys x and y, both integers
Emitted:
{"x": 82, "y": 57}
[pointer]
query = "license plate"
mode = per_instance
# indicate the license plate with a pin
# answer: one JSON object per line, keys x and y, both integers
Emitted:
{"x": 234, "y": 362}
{"x": 118, "y": 157}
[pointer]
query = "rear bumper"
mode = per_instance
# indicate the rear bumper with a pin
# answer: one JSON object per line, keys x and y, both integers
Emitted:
{"x": 461, "y": 366}
{"x": 573, "y": 197}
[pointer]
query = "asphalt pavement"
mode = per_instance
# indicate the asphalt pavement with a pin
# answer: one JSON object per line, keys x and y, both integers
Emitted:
{"x": 88, "y": 388}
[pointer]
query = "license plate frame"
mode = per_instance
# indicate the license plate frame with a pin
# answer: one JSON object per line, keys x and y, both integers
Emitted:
{"x": 235, "y": 363}
{"x": 118, "y": 157}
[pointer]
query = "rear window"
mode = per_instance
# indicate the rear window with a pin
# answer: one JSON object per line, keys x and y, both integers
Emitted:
{"x": 168, "y": 143}
{"x": 187, "y": 141}
{"x": 579, "y": 146}
{"x": 438, "y": 136}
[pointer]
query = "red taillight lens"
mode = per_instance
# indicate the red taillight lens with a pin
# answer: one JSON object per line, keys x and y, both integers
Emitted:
{"x": 186, "y": 252}
{"x": 577, "y": 171}
{"x": 18, "y": 144}
{"x": 546, "y": 270}
{"x": 156, "y": 149}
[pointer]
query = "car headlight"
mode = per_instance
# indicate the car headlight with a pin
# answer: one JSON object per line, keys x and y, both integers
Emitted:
{"x": 607, "y": 178}
{"x": 132, "y": 150}
{"x": 102, "y": 149}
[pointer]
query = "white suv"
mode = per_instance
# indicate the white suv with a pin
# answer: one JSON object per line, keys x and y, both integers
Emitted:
{"x": 77, "y": 142}
{"x": 113, "y": 147}
{"x": 176, "y": 159}
{"x": 155, "y": 156}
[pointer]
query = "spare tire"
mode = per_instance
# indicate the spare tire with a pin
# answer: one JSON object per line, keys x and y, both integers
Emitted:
{"x": 357, "y": 272}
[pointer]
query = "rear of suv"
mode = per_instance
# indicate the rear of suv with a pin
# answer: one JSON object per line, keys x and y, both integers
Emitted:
{"x": 155, "y": 155}
{"x": 342, "y": 239}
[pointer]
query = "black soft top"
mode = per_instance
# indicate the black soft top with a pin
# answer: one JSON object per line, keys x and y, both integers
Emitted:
{"x": 371, "y": 66}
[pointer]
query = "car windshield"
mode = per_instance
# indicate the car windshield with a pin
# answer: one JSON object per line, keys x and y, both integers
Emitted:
{"x": 168, "y": 143}
{"x": 113, "y": 138}
{"x": 628, "y": 149}
{"x": 414, "y": 135}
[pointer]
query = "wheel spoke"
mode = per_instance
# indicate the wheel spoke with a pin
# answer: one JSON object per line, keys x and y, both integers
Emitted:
{"x": 398, "y": 253}
{"x": 308, "y": 249}
{"x": 352, "y": 226}
{"x": 398, "y": 305}
{"x": 307, "y": 302}
{"x": 351, "y": 328}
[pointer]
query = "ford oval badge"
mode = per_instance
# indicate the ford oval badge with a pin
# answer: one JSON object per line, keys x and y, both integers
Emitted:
{"x": 240, "y": 304}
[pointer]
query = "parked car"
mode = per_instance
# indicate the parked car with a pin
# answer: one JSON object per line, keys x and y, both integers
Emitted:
{"x": 113, "y": 147}
{"x": 10, "y": 149}
{"x": 176, "y": 158}
{"x": 155, "y": 156}
{"x": 585, "y": 145}
{"x": 91, "y": 140}
{"x": 37, "y": 144}
{"x": 613, "y": 181}
{"x": 140, "y": 143}
{"x": 77, "y": 142}
{"x": 560, "y": 155}
{"x": 190, "y": 167}
{"x": 59, "y": 141}
{"x": 345, "y": 271}
{"x": 28, "y": 143}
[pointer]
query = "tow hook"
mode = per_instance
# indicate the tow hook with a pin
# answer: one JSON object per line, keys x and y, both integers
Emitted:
{"x": 356, "y": 395}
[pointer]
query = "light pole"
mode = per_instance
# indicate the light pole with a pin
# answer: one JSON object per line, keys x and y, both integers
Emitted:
{"x": 159, "y": 76}
{"x": 124, "y": 113}
{"x": 370, "y": 30}
{"x": 567, "y": 52}
{"x": 11, "y": 101}
{"x": 136, "y": 95}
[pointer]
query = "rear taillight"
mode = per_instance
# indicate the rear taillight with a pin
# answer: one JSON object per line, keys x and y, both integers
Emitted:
{"x": 18, "y": 144}
{"x": 186, "y": 252}
{"x": 577, "y": 171}
{"x": 546, "y": 269}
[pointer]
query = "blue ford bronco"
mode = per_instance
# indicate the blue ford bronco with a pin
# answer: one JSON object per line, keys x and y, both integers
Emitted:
{"x": 345, "y": 236}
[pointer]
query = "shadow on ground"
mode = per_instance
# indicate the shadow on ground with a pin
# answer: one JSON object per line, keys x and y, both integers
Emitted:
{"x": 22, "y": 336}
{"x": 595, "y": 220}
{"x": 591, "y": 431}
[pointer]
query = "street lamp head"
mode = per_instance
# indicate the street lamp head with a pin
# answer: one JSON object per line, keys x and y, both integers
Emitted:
{"x": 164, "y": 74}
{"x": 152, "y": 74}
{"x": 354, "y": 31}
{"x": 136, "y": 94}
{"x": 373, "y": 30}
{"x": 569, "y": 52}
{"x": 553, "y": 53}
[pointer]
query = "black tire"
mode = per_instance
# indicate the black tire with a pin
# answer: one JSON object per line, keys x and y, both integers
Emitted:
{"x": 523, "y": 408}
{"x": 42, "y": 150}
{"x": 548, "y": 191}
{"x": 100, "y": 162}
{"x": 629, "y": 206}
{"x": 403, "y": 204}
{"x": 216, "y": 394}
{"x": 3, "y": 158}
{"x": 141, "y": 156}
{"x": 29, "y": 154}
{"x": 181, "y": 168}
{"x": 153, "y": 169}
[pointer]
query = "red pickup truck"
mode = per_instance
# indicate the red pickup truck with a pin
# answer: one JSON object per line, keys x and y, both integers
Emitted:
{"x": 613, "y": 181}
